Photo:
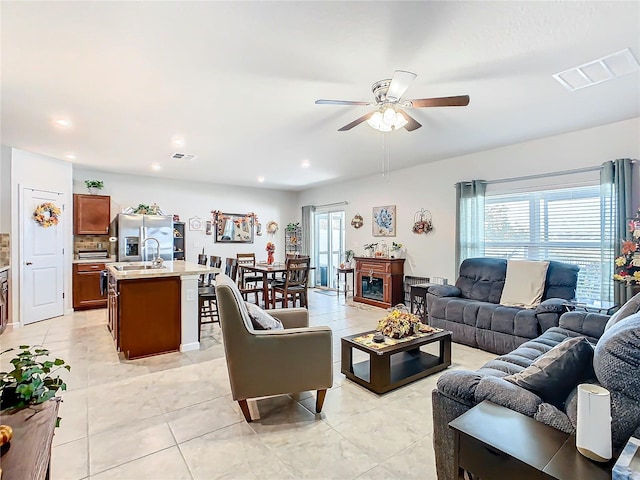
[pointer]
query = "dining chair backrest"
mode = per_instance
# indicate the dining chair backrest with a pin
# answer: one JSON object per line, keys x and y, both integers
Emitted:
{"x": 246, "y": 259}
{"x": 297, "y": 274}
{"x": 215, "y": 261}
{"x": 202, "y": 259}
{"x": 231, "y": 268}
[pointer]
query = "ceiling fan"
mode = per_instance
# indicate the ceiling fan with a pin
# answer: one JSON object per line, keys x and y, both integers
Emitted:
{"x": 387, "y": 116}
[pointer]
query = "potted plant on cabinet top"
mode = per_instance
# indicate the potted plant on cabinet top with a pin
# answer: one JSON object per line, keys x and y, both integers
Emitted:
{"x": 94, "y": 186}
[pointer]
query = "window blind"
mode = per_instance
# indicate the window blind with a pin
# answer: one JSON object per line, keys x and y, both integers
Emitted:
{"x": 556, "y": 224}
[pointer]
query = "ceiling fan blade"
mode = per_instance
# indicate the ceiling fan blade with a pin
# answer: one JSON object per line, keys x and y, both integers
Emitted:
{"x": 340, "y": 102}
{"x": 399, "y": 84}
{"x": 459, "y": 101}
{"x": 412, "y": 124}
{"x": 356, "y": 122}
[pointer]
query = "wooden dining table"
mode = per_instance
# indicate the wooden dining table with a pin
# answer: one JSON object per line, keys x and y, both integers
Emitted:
{"x": 266, "y": 271}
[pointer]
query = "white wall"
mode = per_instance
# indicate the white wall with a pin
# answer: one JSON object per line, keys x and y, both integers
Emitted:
{"x": 431, "y": 186}
{"x": 190, "y": 199}
{"x": 5, "y": 189}
{"x": 30, "y": 170}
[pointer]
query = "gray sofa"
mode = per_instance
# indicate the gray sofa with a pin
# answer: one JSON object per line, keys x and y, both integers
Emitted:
{"x": 616, "y": 360}
{"x": 471, "y": 309}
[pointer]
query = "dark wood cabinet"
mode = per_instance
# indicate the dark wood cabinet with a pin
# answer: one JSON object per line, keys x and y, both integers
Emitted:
{"x": 86, "y": 286}
{"x": 379, "y": 281}
{"x": 144, "y": 315}
{"x": 91, "y": 214}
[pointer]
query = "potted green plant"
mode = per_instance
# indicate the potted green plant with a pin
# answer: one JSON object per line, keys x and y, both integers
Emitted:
{"x": 292, "y": 227}
{"x": 348, "y": 256}
{"x": 94, "y": 186}
{"x": 370, "y": 249}
{"x": 33, "y": 379}
{"x": 396, "y": 250}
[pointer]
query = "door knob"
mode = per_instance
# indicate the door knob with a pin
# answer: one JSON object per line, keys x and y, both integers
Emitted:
{"x": 28, "y": 263}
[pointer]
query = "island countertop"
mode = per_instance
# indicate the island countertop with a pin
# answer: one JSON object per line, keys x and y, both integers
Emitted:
{"x": 175, "y": 268}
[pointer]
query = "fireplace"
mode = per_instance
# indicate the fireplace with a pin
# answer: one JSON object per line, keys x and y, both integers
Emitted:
{"x": 379, "y": 281}
{"x": 373, "y": 288}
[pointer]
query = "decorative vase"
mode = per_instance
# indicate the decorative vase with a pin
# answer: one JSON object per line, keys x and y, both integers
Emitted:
{"x": 269, "y": 258}
{"x": 93, "y": 190}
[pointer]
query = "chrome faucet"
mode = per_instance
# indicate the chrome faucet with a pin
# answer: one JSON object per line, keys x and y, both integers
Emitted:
{"x": 158, "y": 261}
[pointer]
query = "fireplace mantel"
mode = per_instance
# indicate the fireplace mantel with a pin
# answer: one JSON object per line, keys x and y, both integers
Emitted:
{"x": 379, "y": 281}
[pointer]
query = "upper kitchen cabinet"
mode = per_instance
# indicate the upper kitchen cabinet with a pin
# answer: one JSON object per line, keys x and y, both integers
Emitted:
{"x": 91, "y": 214}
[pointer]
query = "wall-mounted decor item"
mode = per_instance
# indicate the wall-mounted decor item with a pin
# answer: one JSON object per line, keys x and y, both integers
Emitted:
{"x": 357, "y": 221}
{"x": 195, "y": 223}
{"x": 176, "y": 218}
{"x": 233, "y": 227}
{"x": 422, "y": 222}
{"x": 259, "y": 229}
{"x": 272, "y": 227}
{"x": 47, "y": 215}
{"x": 384, "y": 221}
{"x": 208, "y": 227}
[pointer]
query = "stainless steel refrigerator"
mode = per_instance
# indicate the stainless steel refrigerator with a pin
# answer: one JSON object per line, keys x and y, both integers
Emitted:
{"x": 133, "y": 229}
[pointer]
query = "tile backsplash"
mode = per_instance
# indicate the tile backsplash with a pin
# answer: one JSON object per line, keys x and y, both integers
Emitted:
{"x": 91, "y": 242}
{"x": 4, "y": 249}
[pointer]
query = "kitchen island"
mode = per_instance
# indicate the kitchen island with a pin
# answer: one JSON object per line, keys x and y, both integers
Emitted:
{"x": 154, "y": 310}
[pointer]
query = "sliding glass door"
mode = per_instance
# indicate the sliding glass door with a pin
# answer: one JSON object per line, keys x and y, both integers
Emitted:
{"x": 328, "y": 246}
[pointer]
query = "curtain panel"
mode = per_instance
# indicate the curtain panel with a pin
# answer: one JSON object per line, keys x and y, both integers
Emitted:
{"x": 470, "y": 221}
{"x": 616, "y": 182}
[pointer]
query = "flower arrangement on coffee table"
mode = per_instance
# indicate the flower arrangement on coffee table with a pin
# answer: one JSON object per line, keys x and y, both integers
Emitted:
{"x": 400, "y": 323}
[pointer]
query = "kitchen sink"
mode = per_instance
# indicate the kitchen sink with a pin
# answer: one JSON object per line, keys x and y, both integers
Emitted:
{"x": 124, "y": 268}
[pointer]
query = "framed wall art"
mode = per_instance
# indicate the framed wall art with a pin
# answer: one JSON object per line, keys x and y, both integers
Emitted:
{"x": 384, "y": 221}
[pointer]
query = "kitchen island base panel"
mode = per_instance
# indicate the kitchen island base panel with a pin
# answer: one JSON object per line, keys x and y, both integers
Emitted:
{"x": 189, "y": 305}
{"x": 149, "y": 316}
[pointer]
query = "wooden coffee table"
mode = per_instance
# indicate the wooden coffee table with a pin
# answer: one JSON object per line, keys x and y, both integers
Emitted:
{"x": 392, "y": 366}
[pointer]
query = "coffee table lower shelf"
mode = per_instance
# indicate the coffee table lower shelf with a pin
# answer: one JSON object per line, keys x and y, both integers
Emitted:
{"x": 396, "y": 366}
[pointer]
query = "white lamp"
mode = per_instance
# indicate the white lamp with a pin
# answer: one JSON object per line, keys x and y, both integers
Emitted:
{"x": 387, "y": 119}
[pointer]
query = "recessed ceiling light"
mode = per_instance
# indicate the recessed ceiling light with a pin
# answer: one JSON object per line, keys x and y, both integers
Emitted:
{"x": 261, "y": 179}
{"x": 177, "y": 141}
{"x": 70, "y": 156}
{"x": 306, "y": 163}
{"x": 62, "y": 122}
{"x": 156, "y": 167}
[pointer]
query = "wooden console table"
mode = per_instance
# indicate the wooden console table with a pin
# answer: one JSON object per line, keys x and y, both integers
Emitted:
{"x": 379, "y": 281}
{"x": 495, "y": 443}
{"x": 28, "y": 455}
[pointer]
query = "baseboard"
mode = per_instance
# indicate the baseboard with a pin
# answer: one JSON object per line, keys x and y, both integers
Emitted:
{"x": 188, "y": 347}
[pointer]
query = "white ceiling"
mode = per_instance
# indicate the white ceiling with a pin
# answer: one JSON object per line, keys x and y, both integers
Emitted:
{"x": 238, "y": 81}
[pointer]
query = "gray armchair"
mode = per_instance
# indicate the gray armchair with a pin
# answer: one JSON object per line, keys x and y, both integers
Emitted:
{"x": 272, "y": 362}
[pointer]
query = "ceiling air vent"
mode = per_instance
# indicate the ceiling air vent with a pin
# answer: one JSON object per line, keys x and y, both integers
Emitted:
{"x": 600, "y": 70}
{"x": 183, "y": 156}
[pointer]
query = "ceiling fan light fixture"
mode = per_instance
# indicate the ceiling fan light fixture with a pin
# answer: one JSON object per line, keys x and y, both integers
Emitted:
{"x": 400, "y": 121}
{"x": 389, "y": 116}
{"x": 386, "y": 120}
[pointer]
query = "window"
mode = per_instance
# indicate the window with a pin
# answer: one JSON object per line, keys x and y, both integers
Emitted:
{"x": 560, "y": 224}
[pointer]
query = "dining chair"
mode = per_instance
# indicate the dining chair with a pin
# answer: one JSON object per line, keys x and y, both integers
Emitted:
{"x": 202, "y": 260}
{"x": 295, "y": 283}
{"x": 207, "y": 304}
{"x": 247, "y": 259}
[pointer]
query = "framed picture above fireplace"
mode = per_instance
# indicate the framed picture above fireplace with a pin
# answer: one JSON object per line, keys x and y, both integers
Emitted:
{"x": 384, "y": 221}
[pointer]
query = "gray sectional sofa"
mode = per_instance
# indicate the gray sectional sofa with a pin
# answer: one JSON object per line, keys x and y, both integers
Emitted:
{"x": 471, "y": 309}
{"x": 615, "y": 365}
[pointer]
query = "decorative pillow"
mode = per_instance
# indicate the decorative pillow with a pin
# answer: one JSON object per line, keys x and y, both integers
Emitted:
{"x": 524, "y": 283}
{"x": 261, "y": 320}
{"x": 632, "y": 306}
{"x": 553, "y": 375}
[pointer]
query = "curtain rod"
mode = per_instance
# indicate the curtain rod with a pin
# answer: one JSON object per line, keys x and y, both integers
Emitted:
{"x": 541, "y": 175}
{"x": 332, "y": 204}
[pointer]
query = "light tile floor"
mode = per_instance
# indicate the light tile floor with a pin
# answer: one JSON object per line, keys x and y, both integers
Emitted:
{"x": 172, "y": 416}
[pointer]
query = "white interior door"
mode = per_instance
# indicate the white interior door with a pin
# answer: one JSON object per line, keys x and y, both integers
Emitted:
{"x": 41, "y": 266}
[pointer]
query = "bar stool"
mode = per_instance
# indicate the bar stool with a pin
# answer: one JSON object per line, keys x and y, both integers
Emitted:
{"x": 207, "y": 305}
